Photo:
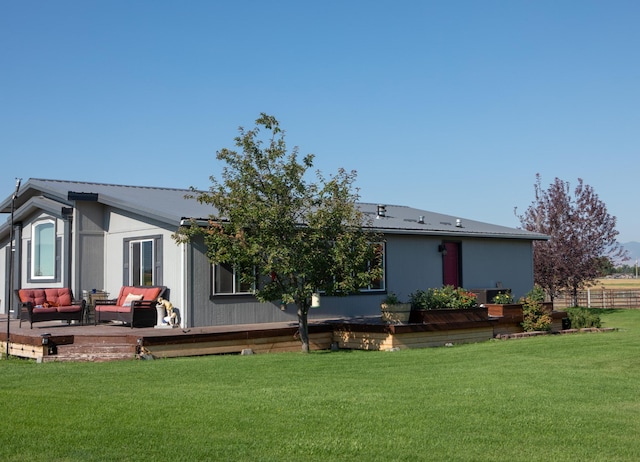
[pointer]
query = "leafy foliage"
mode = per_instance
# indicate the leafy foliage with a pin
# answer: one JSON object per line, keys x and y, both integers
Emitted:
{"x": 391, "y": 299}
{"x": 536, "y": 294}
{"x": 503, "y": 298}
{"x": 581, "y": 233}
{"x": 581, "y": 317}
{"x": 295, "y": 237}
{"x": 536, "y": 318}
{"x": 446, "y": 297}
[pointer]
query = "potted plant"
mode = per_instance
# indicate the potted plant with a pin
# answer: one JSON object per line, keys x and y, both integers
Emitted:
{"x": 446, "y": 304}
{"x": 394, "y": 311}
{"x": 504, "y": 307}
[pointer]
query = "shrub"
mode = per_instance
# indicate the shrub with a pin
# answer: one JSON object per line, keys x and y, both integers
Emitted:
{"x": 583, "y": 317}
{"x": 536, "y": 294}
{"x": 447, "y": 297}
{"x": 503, "y": 298}
{"x": 391, "y": 299}
{"x": 535, "y": 317}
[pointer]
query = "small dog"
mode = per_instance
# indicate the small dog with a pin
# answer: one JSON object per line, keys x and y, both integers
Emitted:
{"x": 171, "y": 317}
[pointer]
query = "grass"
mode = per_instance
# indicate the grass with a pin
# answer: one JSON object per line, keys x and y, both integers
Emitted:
{"x": 620, "y": 284}
{"x": 546, "y": 398}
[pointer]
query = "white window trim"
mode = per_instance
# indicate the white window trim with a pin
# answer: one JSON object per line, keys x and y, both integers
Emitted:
{"x": 153, "y": 259}
{"x": 34, "y": 242}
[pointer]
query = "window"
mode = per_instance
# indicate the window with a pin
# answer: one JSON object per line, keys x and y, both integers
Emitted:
{"x": 143, "y": 261}
{"x": 226, "y": 281}
{"x": 43, "y": 250}
{"x": 377, "y": 284}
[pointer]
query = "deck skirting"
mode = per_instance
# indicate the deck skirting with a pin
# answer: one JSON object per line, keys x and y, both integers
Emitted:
{"x": 109, "y": 342}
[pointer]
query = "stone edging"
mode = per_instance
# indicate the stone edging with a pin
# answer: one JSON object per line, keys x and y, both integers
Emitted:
{"x": 565, "y": 331}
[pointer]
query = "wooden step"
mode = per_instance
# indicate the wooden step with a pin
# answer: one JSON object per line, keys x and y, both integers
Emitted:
{"x": 93, "y": 353}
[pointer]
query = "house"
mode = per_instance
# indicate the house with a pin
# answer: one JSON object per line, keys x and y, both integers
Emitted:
{"x": 103, "y": 236}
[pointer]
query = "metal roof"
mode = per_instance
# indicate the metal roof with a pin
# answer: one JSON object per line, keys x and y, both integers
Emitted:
{"x": 168, "y": 205}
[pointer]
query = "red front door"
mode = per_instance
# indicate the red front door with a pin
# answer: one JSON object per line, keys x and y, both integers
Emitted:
{"x": 451, "y": 264}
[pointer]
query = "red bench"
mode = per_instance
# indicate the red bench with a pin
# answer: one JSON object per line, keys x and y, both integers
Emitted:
{"x": 135, "y": 305}
{"x": 54, "y": 304}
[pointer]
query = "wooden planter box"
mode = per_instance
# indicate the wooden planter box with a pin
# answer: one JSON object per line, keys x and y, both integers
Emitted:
{"x": 396, "y": 314}
{"x": 508, "y": 311}
{"x": 449, "y": 316}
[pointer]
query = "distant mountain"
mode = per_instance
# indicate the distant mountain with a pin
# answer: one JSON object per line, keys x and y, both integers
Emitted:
{"x": 633, "y": 249}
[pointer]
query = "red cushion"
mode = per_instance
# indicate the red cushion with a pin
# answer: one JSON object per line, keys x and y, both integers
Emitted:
{"x": 35, "y": 296}
{"x": 54, "y": 297}
{"x": 58, "y": 296}
{"x": 117, "y": 308}
{"x": 152, "y": 293}
{"x": 148, "y": 293}
{"x": 68, "y": 308}
{"x": 45, "y": 310}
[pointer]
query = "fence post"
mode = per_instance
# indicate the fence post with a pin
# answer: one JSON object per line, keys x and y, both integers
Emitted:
{"x": 598, "y": 298}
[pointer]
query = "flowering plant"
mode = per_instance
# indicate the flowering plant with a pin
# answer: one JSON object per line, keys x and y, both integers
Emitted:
{"x": 445, "y": 297}
{"x": 503, "y": 298}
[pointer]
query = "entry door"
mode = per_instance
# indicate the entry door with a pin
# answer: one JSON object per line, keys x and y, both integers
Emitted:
{"x": 451, "y": 264}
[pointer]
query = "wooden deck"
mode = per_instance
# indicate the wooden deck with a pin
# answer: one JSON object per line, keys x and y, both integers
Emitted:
{"x": 58, "y": 341}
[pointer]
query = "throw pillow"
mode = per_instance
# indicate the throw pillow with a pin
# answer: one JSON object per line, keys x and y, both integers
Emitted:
{"x": 132, "y": 298}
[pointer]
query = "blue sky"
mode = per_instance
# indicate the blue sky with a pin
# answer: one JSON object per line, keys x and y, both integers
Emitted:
{"x": 448, "y": 106}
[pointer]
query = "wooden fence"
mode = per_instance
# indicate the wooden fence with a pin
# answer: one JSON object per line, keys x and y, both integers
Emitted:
{"x": 600, "y": 298}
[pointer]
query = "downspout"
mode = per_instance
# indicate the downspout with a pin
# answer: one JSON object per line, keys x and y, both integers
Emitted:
{"x": 16, "y": 266}
{"x": 184, "y": 321}
{"x": 67, "y": 214}
{"x": 12, "y": 275}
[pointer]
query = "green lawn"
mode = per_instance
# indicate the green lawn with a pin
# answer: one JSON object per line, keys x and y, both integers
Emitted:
{"x": 571, "y": 397}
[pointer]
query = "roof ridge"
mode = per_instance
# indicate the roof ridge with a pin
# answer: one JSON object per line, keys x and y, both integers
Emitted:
{"x": 95, "y": 183}
{"x": 386, "y": 205}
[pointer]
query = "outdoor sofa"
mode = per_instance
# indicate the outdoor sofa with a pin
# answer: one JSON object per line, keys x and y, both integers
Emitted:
{"x": 135, "y": 305}
{"x": 51, "y": 304}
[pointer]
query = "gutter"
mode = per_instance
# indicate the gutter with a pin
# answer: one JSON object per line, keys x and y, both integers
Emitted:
{"x": 414, "y": 232}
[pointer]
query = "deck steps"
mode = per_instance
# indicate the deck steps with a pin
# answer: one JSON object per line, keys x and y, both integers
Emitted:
{"x": 93, "y": 352}
{"x": 96, "y": 348}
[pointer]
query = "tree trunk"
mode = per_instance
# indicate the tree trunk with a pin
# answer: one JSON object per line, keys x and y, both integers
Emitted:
{"x": 303, "y": 326}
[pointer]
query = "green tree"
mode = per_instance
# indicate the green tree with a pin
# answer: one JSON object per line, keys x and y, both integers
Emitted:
{"x": 287, "y": 236}
{"x": 605, "y": 266}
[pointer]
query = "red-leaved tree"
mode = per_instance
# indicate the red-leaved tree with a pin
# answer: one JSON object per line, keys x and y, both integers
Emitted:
{"x": 581, "y": 233}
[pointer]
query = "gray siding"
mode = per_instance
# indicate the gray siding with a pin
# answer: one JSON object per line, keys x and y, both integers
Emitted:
{"x": 90, "y": 251}
{"x": 412, "y": 263}
{"x": 226, "y": 310}
{"x": 487, "y": 262}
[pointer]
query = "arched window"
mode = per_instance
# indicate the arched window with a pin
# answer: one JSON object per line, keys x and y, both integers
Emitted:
{"x": 43, "y": 250}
